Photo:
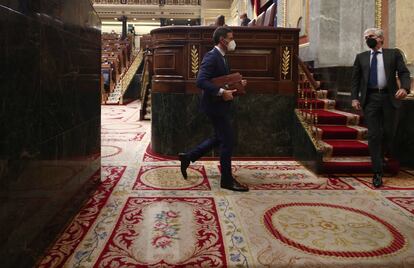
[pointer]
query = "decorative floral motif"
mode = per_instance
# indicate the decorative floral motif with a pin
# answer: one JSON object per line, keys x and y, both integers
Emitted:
{"x": 165, "y": 229}
{"x": 404, "y": 202}
{"x": 194, "y": 61}
{"x": 403, "y": 181}
{"x": 287, "y": 177}
{"x": 237, "y": 248}
{"x": 78, "y": 228}
{"x": 199, "y": 244}
{"x": 285, "y": 67}
{"x": 332, "y": 230}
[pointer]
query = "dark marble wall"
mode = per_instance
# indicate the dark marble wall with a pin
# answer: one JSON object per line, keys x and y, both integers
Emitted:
{"x": 338, "y": 81}
{"x": 262, "y": 124}
{"x": 49, "y": 120}
{"x": 405, "y": 134}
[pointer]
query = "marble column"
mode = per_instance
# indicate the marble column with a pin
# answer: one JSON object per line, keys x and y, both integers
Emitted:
{"x": 50, "y": 121}
{"x": 336, "y": 29}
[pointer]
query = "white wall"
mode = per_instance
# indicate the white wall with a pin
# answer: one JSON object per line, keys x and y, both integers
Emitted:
{"x": 140, "y": 27}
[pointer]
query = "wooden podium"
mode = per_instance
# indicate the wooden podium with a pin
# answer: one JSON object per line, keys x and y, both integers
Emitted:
{"x": 262, "y": 119}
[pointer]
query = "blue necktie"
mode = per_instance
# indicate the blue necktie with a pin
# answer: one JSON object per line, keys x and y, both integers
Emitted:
{"x": 373, "y": 71}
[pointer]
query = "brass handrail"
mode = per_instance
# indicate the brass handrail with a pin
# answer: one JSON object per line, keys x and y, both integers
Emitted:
{"x": 129, "y": 75}
{"x": 309, "y": 76}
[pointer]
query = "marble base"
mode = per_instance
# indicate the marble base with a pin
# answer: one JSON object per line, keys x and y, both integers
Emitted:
{"x": 262, "y": 124}
{"x": 303, "y": 148}
{"x": 405, "y": 135}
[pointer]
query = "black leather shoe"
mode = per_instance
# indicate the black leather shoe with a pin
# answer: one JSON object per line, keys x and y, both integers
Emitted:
{"x": 185, "y": 162}
{"x": 377, "y": 180}
{"x": 233, "y": 185}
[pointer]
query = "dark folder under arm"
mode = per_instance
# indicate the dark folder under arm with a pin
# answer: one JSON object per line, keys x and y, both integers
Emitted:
{"x": 230, "y": 82}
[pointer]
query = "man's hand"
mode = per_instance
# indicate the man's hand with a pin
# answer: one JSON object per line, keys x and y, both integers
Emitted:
{"x": 401, "y": 94}
{"x": 356, "y": 105}
{"x": 244, "y": 82}
{"x": 228, "y": 94}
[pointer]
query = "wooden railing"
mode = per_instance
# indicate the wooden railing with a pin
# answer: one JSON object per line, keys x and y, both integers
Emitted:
{"x": 302, "y": 66}
{"x": 146, "y": 84}
{"x": 307, "y": 97}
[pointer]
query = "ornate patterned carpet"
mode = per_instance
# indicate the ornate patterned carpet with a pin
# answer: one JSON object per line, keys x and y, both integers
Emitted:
{"x": 145, "y": 215}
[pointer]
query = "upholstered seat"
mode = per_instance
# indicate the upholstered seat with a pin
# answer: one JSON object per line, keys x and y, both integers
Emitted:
{"x": 270, "y": 15}
{"x": 260, "y": 19}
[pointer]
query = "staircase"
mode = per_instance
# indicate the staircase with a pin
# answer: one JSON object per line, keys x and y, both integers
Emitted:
{"x": 145, "y": 112}
{"x": 116, "y": 96}
{"x": 339, "y": 137}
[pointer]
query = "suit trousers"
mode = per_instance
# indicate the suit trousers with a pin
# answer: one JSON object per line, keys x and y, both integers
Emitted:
{"x": 223, "y": 137}
{"x": 381, "y": 118}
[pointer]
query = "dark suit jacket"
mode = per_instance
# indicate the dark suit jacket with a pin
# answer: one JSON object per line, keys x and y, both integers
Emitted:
{"x": 212, "y": 66}
{"x": 245, "y": 22}
{"x": 393, "y": 63}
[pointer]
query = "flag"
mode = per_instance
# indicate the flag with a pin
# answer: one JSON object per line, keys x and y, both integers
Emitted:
{"x": 256, "y": 7}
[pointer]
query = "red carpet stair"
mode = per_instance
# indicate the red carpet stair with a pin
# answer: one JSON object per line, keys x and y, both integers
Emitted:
{"x": 340, "y": 136}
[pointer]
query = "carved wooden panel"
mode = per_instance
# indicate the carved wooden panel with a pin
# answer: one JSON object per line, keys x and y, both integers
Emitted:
{"x": 168, "y": 61}
{"x": 264, "y": 55}
{"x": 252, "y": 62}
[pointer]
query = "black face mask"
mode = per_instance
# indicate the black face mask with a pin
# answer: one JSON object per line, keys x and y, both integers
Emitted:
{"x": 371, "y": 42}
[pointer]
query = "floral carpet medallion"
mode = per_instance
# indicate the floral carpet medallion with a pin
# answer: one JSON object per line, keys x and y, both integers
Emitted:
{"x": 80, "y": 225}
{"x": 404, "y": 202}
{"x": 287, "y": 177}
{"x": 333, "y": 230}
{"x": 403, "y": 181}
{"x": 165, "y": 232}
{"x": 170, "y": 178}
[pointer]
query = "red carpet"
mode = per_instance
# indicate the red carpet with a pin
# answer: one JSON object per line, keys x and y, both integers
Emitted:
{"x": 341, "y": 134}
{"x": 348, "y": 147}
{"x": 338, "y": 132}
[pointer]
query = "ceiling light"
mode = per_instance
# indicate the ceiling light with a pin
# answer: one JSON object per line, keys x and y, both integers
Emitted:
{"x": 188, "y": 19}
{"x": 171, "y": 19}
{"x": 135, "y": 18}
{"x": 153, "y": 18}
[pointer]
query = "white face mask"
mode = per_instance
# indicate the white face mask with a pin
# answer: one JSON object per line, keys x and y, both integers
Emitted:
{"x": 231, "y": 46}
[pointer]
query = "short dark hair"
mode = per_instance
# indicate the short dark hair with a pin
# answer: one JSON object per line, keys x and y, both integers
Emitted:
{"x": 220, "y": 32}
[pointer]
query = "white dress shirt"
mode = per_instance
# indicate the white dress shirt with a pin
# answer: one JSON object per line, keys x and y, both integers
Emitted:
{"x": 223, "y": 53}
{"x": 382, "y": 79}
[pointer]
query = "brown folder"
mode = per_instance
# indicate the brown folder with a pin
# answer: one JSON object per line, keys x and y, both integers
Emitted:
{"x": 230, "y": 81}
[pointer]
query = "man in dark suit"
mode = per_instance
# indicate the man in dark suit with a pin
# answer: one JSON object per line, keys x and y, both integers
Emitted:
{"x": 244, "y": 20}
{"x": 215, "y": 103}
{"x": 375, "y": 90}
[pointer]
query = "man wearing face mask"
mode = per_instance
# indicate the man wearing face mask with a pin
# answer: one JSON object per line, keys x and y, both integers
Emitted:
{"x": 375, "y": 91}
{"x": 215, "y": 64}
{"x": 244, "y": 20}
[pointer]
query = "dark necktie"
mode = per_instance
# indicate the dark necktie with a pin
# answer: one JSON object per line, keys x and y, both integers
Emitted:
{"x": 226, "y": 63}
{"x": 373, "y": 71}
